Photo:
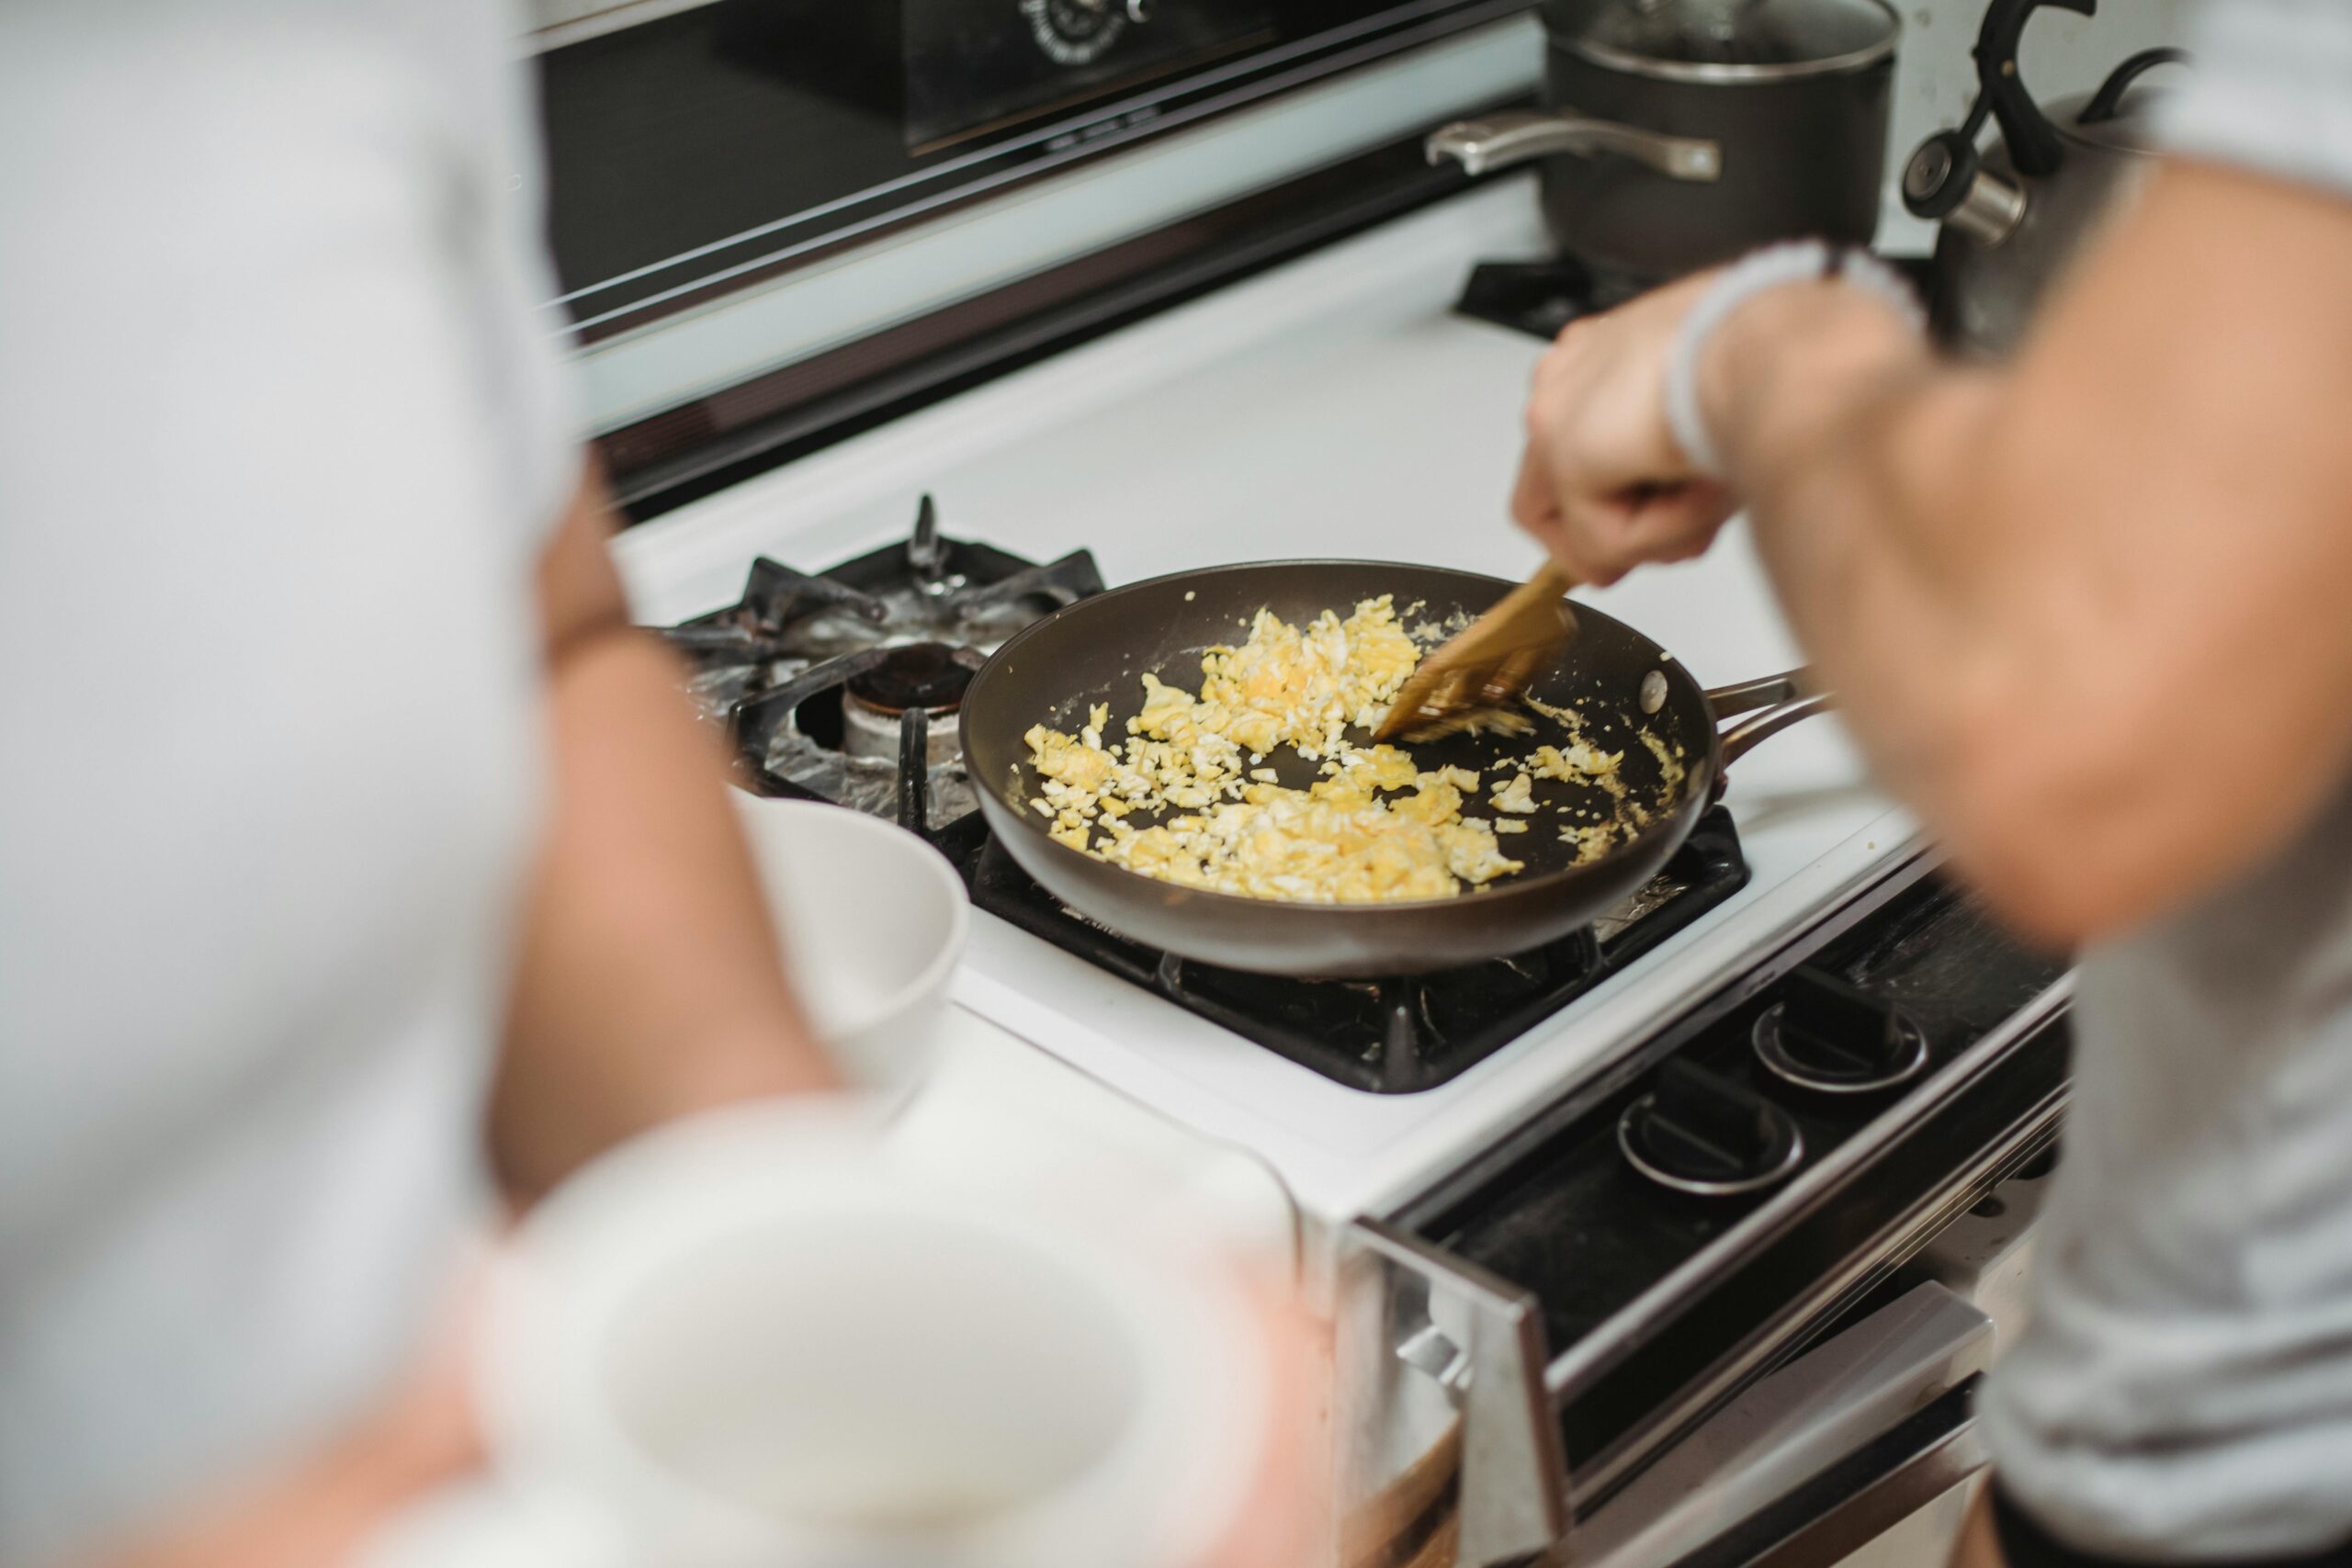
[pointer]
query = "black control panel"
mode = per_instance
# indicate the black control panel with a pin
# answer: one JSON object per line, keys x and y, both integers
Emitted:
{"x": 1762, "y": 1163}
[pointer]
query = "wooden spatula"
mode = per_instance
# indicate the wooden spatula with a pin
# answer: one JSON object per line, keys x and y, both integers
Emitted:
{"x": 1472, "y": 681}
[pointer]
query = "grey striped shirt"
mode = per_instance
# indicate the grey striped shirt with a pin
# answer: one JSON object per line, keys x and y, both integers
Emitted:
{"x": 2184, "y": 1392}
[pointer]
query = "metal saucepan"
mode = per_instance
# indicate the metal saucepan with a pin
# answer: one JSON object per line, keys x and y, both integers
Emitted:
{"x": 1099, "y": 649}
{"x": 1679, "y": 133}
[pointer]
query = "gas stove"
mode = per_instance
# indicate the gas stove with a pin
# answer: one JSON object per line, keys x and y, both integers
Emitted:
{"x": 1642, "y": 1239}
{"x": 844, "y": 686}
{"x": 1335, "y": 407}
{"x": 1568, "y": 1200}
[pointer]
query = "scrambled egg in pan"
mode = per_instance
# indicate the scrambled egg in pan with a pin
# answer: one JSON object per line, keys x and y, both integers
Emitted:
{"x": 1196, "y": 761}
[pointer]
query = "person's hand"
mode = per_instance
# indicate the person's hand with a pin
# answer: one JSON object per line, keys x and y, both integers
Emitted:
{"x": 320, "y": 1509}
{"x": 1604, "y": 487}
{"x": 1286, "y": 1518}
{"x": 1979, "y": 1544}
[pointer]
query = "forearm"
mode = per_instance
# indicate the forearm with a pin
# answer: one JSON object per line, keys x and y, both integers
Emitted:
{"x": 2085, "y": 614}
{"x": 1941, "y": 560}
{"x": 649, "y": 984}
{"x": 1862, "y": 461}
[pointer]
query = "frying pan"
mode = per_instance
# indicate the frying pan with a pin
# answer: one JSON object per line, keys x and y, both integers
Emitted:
{"x": 1098, "y": 649}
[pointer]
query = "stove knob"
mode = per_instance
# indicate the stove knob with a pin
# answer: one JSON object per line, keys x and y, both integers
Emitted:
{"x": 1701, "y": 1134}
{"x": 1831, "y": 1036}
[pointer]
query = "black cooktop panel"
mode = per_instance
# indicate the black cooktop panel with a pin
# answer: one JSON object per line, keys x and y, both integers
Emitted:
{"x": 1586, "y": 1233}
{"x": 1393, "y": 1036}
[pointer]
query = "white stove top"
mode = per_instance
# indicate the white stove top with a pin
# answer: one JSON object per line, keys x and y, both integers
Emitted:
{"x": 1331, "y": 407}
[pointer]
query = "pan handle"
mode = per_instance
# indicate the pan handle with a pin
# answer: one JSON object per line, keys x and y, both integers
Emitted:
{"x": 1777, "y": 702}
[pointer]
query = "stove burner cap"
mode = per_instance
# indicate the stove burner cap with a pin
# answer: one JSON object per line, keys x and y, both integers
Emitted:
{"x": 1828, "y": 1035}
{"x": 1699, "y": 1134}
{"x": 919, "y": 675}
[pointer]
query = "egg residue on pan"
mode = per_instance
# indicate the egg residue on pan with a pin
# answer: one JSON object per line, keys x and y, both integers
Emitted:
{"x": 1374, "y": 828}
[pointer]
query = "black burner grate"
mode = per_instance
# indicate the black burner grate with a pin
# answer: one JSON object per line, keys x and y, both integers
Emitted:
{"x": 1541, "y": 297}
{"x": 905, "y": 625}
{"x": 1395, "y": 1036}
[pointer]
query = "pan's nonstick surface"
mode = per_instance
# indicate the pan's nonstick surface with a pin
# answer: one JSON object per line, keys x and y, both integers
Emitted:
{"x": 1098, "y": 650}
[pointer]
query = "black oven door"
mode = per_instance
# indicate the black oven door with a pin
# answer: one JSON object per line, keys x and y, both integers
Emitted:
{"x": 977, "y": 66}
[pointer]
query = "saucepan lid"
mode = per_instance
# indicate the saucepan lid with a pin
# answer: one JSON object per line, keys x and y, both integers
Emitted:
{"x": 1725, "y": 41}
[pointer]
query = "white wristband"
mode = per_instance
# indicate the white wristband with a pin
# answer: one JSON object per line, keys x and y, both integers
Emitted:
{"x": 1798, "y": 261}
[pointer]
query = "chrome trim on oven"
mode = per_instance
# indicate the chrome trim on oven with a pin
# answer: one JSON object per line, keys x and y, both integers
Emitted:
{"x": 1481, "y": 1340}
{"x": 1816, "y": 1450}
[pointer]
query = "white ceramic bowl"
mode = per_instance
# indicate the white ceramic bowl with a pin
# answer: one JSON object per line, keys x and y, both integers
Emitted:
{"x": 873, "y": 923}
{"x": 747, "y": 1342}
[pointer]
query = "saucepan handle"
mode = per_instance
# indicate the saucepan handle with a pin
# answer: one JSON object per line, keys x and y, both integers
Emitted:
{"x": 1775, "y": 702}
{"x": 1499, "y": 140}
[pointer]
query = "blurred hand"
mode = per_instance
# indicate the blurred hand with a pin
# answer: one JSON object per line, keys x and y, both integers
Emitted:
{"x": 1286, "y": 1519}
{"x": 319, "y": 1511}
{"x": 1979, "y": 1545}
{"x": 1604, "y": 485}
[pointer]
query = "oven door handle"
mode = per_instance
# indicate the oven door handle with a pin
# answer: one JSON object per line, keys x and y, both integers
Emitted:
{"x": 1834, "y": 1513}
{"x": 1820, "y": 1457}
{"x": 1480, "y": 1339}
{"x": 1811, "y": 1463}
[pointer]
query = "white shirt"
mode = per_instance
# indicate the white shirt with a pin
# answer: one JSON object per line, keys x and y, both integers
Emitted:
{"x": 279, "y": 444}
